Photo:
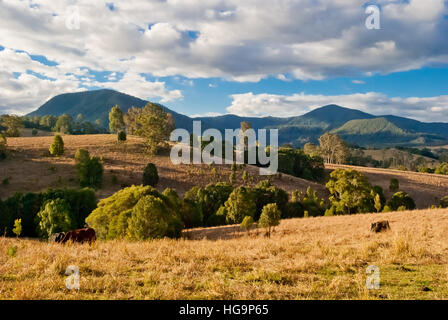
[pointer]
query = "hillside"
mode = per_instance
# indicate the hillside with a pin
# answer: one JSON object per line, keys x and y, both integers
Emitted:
{"x": 293, "y": 130}
{"x": 308, "y": 258}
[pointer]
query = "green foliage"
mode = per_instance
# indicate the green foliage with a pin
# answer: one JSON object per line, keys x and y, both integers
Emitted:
{"x": 151, "y": 218}
{"x": 55, "y": 216}
{"x": 295, "y": 162}
{"x": 64, "y": 124}
{"x": 3, "y": 147}
{"x": 308, "y": 202}
{"x": 26, "y": 206}
{"x": 442, "y": 168}
{"x": 245, "y": 176}
{"x": 394, "y": 185}
{"x": 118, "y": 217}
{"x": 377, "y": 203}
{"x": 121, "y": 136}
{"x": 270, "y": 217}
{"x": 150, "y": 175}
{"x": 401, "y": 199}
{"x": 34, "y": 132}
{"x": 17, "y": 230}
{"x": 90, "y": 169}
{"x": 248, "y": 223}
{"x": 350, "y": 192}
{"x": 387, "y": 209}
{"x": 12, "y": 251}
{"x": 191, "y": 213}
{"x": 444, "y": 202}
{"x": 116, "y": 122}
{"x": 232, "y": 177}
{"x": 152, "y": 123}
{"x": 13, "y": 125}
{"x": 57, "y": 147}
{"x": 264, "y": 193}
{"x": 240, "y": 204}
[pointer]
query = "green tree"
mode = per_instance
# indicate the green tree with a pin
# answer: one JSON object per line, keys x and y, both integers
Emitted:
{"x": 57, "y": 147}
{"x": 54, "y": 217}
{"x": 121, "y": 136}
{"x": 270, "y": 217}
{"x": 248, "y": 223}
{"x": 90, "y": 169}
{"x": 350, "y": 192}
{"x": 64, "y": 124}
{"x": 17, "y": 227}
{"x": 150, "y": 175}
{"x": 245, "y": 176}
{"x": 394, "y": 185}
{"x": 378, "y": 204}
{"x": 240, "y": 204}
{"x": 400, "y": 199}
{"x": 116, "y": 121}
{"x": 191, "y": 213}
{"x": 152, "y": 123}
{"x": 13, "y": 125}
{"x": 442, "y": 168}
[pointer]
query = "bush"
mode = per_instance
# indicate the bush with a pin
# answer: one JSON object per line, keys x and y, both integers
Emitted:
{"x": 400, "y": 199}
{"x": 55, "y": 216}
{"x": 57, "y": 147}
{"x": 442, "y": 168}
{"x": 248, "y": 223}
{"x": 34, "y": 132}
{"x": 239, "y": 205}
{"x": 121, "y": 136}
{"x": 444, "y": 202}
{"x": 191, "y": 213}
{"x": 112, "y": 219}
{"x": 151, "y": 218}
{"x": 394, "y": 185}
{"x": 270, "y": 217}
{"x": 150, "y": 175}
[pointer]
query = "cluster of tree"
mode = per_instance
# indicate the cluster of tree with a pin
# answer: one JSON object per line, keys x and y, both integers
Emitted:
{"x": 11, "y": 125}
{"x": 300, "y": 164}
{"x": 441, "y": 168}
{"x": 351, "y": 192}
{"x": 332, "y": 148}
{"x": 38, "y": 210}
{"x": 64, "y": 124}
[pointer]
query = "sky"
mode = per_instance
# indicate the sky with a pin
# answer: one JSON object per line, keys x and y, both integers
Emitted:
{"x": 250, "y": 58}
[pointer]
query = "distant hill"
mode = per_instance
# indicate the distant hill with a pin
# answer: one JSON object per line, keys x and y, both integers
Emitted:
{"x": 353, "y": 125}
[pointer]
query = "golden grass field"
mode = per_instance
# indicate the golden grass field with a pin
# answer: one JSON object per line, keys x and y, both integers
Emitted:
{"x": 309, "y": 258}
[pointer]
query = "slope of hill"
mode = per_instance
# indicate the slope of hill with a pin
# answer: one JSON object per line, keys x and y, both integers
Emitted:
{"x": 294, "y": 130}
{"x": 96, "y": 104}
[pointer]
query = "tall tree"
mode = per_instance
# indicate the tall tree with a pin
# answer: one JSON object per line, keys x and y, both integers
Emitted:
{"x": 116, "y": 122}
{"x": 13, "y": 125}
{"x": 332, "y": 148}
{"x": 152, "y": 123}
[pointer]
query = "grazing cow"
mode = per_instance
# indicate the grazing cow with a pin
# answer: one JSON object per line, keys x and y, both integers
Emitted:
{"x": 57, "y": 237}
{"x": 380, "y": 226}
{"x": 80, "y": 235}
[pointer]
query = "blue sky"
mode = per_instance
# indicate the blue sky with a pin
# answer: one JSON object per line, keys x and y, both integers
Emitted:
{"x": 216, "y": 57}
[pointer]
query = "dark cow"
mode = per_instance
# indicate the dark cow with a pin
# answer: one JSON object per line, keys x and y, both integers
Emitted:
{"x": 380, "y": 226}
{"x": 80, "y": 235}
{"x": 57, "y": 237}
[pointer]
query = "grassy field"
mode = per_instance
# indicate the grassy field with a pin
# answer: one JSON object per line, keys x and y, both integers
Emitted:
{"x": 310, "y": 258}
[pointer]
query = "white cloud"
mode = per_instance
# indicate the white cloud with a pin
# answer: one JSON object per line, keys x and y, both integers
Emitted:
{"x": 256, "y": 105}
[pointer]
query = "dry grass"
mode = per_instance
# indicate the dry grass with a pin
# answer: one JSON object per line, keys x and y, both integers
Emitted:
{"x": 311, "y": 258}
{"x": 426, "y": 189}
{"x": 31, "y": 169}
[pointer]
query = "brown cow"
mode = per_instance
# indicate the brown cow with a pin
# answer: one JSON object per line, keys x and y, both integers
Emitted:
{"x": 380, "y": 226}
{"x": 80, "y": 235}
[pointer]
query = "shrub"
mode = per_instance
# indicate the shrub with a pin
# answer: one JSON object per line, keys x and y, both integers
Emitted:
{"x": 248, "y": 223}
{"x": 34, "y": 132}
{"x": 387, "y": 209}
{"x": 57, "y": 147}
{"x": 191, "y": 213}
{"x": 394, "y": 185}
{"x": 442, "y": 168}
{"x": 150, "y": 219}
{"x": 54, "y": 217}
{"x": 444, "y": 202}
{"x": 240, "y": 204}
{"x": 121, "y": 136}
{"x": 150, "y": 175}
{"x": 270, "y": 217}
{"x": 17, "y": 227}
{"x": 400, "y": 199}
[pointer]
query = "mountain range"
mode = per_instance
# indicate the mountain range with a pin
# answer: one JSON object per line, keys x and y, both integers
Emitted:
{"x": 354, "y": 126}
